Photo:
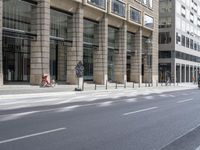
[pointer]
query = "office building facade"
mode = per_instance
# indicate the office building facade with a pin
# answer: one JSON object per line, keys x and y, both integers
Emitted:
{"x": 117, "y": 40}
{"x": 179, "y": 40}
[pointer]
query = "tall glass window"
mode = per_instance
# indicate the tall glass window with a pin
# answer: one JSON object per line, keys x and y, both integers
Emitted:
{"x": 165, "y": 6}
{"x": 112, "y": 47}
{"x": 90, "y": 38}
{"x": 61, "y": 24}
{"x": 113, "y": 37}
{"x": 118, "y": 8}
{"x": 130, "y": 41}
{"x": 98, "y": 3}
{"x": 148, "y": 21}
{"x": 16, "y": 59}
{"x": 135, "y": 15}
{"x": 18, "y": 14}
{"x": 90, "y": 32}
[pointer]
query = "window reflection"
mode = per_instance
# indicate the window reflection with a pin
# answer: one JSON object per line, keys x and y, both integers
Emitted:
{"x": 118, "y": 8}
{"x": 130, "y": 41}
{"x": 19, "y": 15}
{"x": 98, "y": 3}
{"x": 61, "y": 24}
{"x": 135, "y": 15}
{"x": 90, "y": 32}
{"x": 148, "y": 21}
{"x": 113, "y": 37}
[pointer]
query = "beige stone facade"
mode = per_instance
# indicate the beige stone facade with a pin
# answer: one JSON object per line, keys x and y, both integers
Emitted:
{"x": 74, "y": 52}
{"x": 1, "y": 57}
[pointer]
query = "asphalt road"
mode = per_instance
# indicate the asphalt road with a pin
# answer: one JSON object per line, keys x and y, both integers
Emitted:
{"x": 167, "y": 121}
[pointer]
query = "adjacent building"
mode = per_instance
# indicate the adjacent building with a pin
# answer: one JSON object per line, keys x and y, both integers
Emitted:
{"x": 179, "y": 40}
{"x": 117, "y": 40}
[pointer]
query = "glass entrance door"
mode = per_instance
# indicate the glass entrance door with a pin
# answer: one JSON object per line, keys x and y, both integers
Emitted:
{"x": 128, "y": 67}
{"x": 111, "y": 65}
{"x": 16, "y": 59}
{"x": 88, "y": 63}
{"x": 58, "y": 60}
{"x": 53, "y": 60}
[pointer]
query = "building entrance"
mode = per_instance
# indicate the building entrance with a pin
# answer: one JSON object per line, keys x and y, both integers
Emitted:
{"x": 88, "y": 62}
{"x": 128, "y": 67}
{"x": 58, "y": 60}
{"x": 111, "y": 65}
{"x": 16, "y": 59}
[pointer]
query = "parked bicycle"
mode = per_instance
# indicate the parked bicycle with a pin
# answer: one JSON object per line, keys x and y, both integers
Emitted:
{"x": 46, "y": 83}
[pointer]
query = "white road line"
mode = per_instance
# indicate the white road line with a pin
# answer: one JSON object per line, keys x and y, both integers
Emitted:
{"x": 198, "y": 148}
{"x": 179, "y": 137}
{"x": 186, "y": 100}
{"x": 142, "y": 110}
{"x": 31, "y": 135}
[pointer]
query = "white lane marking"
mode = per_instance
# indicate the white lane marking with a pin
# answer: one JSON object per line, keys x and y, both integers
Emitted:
{"x": 171, "y": 96}
{"x": 179, "y": 137}
{"x": 15, "y": 116}
{"x": 131, "y": 100}
{"x": 148, "y": 97}
{"x": 69, "y": 108}
{"x": 31, "y": 135}
{"x": 104, "y": 104}
{"x": 141, "y": 110}
{"x": 163, "y": 95}
{"x": 198, "y": 148}
{"x": 186, "y": 100}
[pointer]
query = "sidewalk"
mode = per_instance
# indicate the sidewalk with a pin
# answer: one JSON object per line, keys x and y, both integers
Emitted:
{"x": 29, "y": 89}
{"x": 24, "y": 96}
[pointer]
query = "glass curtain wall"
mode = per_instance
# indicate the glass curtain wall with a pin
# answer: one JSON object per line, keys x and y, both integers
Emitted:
{"x": 90, "y": 38}
{"x": 130, "y": 51}
{"x": 113, "y": 34}
{"x": 17, "y": 24}
{"x": 61, "y": 33}
{"x": 164, "y": 71}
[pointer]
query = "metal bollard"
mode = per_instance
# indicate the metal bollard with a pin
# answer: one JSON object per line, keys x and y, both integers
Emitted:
{"x": 133, "y": 85}
{"x": 106, "y": 84}
{"x": 83, "y": 86}
{"x": 157, "y": 83}
{"x": 116, "y": 86}
{"x": 95, "y": 88}
{"x": 124, "y": 84}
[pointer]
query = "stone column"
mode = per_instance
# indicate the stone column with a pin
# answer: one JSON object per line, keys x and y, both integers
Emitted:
{"x": 1, "y": 51}
{"x": 40, "y": 47}
{"x": 75, "y": 53}
{"x": 100, "y": 57}
{"x": 155, "y": 43}
{"x": 180, "y": 73}
{"x": 136, "y": 60}
{"x": 120, "y": 58}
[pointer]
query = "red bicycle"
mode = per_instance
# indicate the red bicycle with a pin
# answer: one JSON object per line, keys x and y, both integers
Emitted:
{"x": 46, "y": 83}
